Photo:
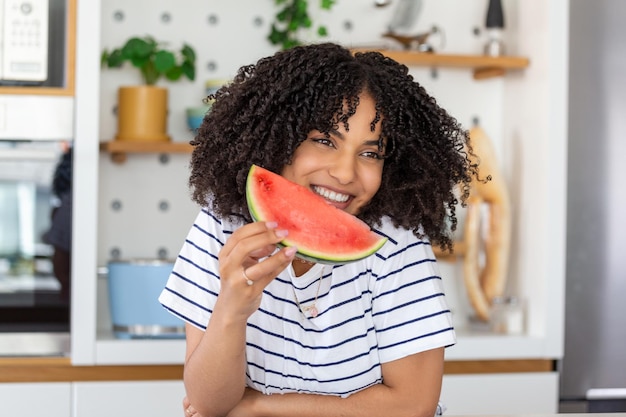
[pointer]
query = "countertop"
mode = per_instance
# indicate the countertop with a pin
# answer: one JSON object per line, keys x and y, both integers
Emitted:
{"x": 549, "y": 415}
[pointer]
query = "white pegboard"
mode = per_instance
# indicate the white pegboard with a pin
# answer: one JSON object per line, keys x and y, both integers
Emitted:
{"x": 145, "y": 208}
{"x": 227, "y": 35}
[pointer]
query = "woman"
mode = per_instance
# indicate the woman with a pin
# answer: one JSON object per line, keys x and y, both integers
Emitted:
{"x": 365, "y": 338}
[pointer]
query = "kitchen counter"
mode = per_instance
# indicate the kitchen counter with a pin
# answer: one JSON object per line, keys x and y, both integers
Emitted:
{"x": 60, "y": 369}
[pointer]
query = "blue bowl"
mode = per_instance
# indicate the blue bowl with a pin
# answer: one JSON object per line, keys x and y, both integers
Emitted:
{"x": 195, "y": 116}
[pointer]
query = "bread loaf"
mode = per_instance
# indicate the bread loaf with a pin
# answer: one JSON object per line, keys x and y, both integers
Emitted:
{"x": 487, "y": 232}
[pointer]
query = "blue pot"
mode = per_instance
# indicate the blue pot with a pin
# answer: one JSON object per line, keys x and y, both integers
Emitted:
{"x": 134, "y": 289}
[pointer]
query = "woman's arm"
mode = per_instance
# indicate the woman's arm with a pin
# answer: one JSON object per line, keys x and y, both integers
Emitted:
{"x": 411, "y": 388}
{"x": 215, "y": 366}
{"x": 215, "y": 362}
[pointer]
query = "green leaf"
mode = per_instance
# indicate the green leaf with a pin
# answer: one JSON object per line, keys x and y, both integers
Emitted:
{"x": 114, "y": 59}
{"x": 276, "y": 36}
{"x": 327, "y": 4}
{"x": 290, "y": 43}
{"x": 188, "y": 53}
{"x": 301, "y": 6}
{"x": 164, "y": 61}
{"x": 174, "y": 73}
{"x": 140, "y": 62}
{"x": 189, "y": 70}
{"x": 138, "y": 48}
{"x": 322, "y": 31}
{"x": 283, "y": 15}
{"x": 104, "y": 58}
{"x": 293, "y": 26}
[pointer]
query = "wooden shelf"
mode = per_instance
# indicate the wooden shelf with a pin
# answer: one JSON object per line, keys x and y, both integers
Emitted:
{"x": 484, "y": 66}
{"x": 119, "y": 149}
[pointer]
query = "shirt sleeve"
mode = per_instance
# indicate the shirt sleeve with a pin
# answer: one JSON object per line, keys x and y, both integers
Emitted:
{"x": 409, "y": 307}
{"x": 192, "y": 287}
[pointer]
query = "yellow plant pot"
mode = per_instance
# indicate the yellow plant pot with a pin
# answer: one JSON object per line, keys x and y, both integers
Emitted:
{"x": 142, "y": 114}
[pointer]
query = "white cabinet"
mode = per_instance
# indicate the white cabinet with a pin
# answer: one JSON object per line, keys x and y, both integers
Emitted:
{"x": 127, "y": 399}
{"x": 521, "y": 393}
{"x": 51, "y": 399}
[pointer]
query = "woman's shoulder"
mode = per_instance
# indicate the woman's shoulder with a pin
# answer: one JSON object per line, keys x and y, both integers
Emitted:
{"x": 399, "y": 239}
{"x": 210, "y": 223}
{"x": 397, "y": 235}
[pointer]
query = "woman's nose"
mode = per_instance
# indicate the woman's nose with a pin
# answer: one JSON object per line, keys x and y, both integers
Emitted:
{"x": 343, "y": 169}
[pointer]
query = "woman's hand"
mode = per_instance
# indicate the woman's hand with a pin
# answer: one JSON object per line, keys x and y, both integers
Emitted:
{"x": 244, "y": 272}
{"x": 188, "y": 408}
{"x": 242, "y": 409}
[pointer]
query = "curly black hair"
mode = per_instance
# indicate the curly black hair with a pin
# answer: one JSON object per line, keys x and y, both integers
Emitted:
{"x": 269, "y": 109}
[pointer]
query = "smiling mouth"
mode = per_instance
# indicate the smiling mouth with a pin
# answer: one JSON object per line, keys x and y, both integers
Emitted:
{"x": 331, "y": 196}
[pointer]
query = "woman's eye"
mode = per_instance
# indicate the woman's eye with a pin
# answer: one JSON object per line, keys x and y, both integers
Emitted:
{"x": 372, "y": 155}
{"x": 323, "y": 141}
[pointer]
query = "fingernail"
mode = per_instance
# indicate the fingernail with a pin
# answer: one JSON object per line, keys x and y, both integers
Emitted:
{"x": 281, "y": 233}
{"x": 271, "y": 225}
{"x": 291, "y": 251}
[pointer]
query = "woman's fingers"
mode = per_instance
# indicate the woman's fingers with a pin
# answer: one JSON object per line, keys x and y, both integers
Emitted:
{"x": 189, "y": 410}
{"x": 265, "y": 271}
{"x": 243, "y": 278}
{"x": 251, "y": 230}
{"x": 250, "y": 243}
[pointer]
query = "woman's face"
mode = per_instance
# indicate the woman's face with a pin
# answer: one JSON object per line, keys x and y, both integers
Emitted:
{"x": 346, "y": 169}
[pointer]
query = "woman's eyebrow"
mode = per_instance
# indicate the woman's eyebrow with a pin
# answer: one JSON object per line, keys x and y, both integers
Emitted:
{"x": 337, "y": 133}
{"x": 372, "y": 142}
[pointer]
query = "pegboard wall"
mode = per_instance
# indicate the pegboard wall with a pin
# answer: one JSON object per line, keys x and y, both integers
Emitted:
{"x": 144, "y": 206}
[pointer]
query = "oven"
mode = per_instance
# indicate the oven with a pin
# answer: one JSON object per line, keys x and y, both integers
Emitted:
{"x": 35, "y": 247}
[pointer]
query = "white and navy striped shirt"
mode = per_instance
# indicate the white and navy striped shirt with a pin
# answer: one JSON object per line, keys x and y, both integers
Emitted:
{"x": 382, "y": 308}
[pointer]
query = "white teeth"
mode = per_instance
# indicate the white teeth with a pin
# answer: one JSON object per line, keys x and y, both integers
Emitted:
{"x": 331, "y": 195}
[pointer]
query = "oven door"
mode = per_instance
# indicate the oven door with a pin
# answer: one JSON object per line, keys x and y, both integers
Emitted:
{"x": 34, "y": 291}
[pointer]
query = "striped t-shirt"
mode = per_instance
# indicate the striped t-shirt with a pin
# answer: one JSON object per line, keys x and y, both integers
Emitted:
{"x": 382, "y": 308}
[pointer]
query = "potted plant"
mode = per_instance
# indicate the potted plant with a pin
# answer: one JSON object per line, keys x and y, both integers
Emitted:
{"x": 142, "y": 109}
{"x": 292, "y": 16}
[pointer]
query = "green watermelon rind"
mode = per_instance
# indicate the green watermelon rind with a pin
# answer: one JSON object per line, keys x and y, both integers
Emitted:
{"x": 308, "y": 256}
{"x": 317, "y": 257}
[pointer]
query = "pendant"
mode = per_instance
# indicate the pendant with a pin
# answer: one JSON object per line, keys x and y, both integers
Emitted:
{"x": 313, "y": 311}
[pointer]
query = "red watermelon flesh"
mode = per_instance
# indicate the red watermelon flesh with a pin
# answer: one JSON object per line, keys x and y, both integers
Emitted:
{"x": 321, "y": 232}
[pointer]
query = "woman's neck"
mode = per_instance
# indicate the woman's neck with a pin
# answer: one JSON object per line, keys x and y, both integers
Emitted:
{"x": 300, "y": 266}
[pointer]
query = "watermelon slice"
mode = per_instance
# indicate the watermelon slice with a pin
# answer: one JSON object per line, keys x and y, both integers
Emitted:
{"x": 321, "y": 232}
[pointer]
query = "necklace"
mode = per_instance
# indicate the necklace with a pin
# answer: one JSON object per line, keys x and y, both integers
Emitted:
{"x": 312, "y": 308}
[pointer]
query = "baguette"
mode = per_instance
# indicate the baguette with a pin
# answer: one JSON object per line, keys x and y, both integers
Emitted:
{"x": 485, "y": 255}
{"x": 486, "y": 280}
{"x": 471, "y": 261}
